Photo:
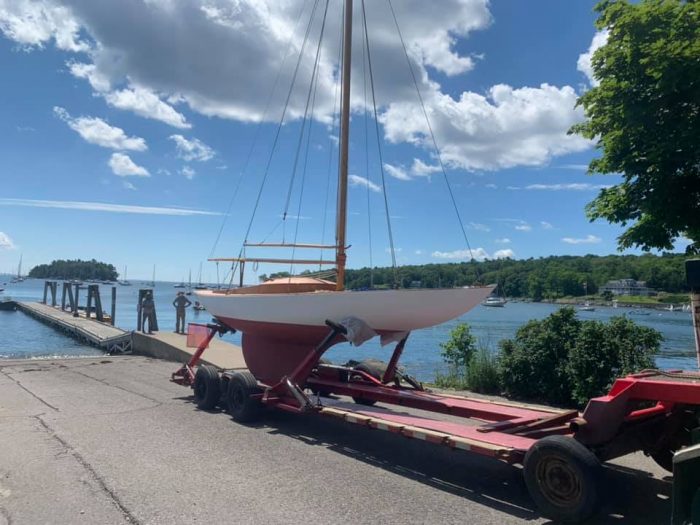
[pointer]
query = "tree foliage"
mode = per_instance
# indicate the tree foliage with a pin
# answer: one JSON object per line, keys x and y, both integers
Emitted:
{"x": 564, "y": 360}
{"x": 544, "y": 278}
{"x": 88, "y": 270}
{"x": 645, "y": 116}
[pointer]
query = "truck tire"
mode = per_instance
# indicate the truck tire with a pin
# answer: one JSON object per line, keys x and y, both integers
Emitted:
{"x": 241, "y": 406}
{"x": 562, "y": 477}
{"x": 207, "y": 387}
{"x": 374, "y": 368}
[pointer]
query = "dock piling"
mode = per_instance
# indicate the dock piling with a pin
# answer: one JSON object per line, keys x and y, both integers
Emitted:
{"x": 114, "y": 304}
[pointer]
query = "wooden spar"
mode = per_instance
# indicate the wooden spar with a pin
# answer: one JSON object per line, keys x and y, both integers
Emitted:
{"x": 258, "y": 260}
{"x": 341, "y": 217}
{"x": 288, "y": 245}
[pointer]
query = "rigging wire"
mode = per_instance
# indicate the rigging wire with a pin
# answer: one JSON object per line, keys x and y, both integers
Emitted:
{"x": 369, "y": 208}
{"x": 430, "y": 128}
{"x": 258, "y": 127}
{"x": 379, "y": 147}
{"x": 313, "y": 86}
{"x": 331, "y": 143}
{"x": 277, "y": 132}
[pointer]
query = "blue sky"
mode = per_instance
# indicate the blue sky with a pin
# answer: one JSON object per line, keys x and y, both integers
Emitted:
{"x": 126, "y": 128}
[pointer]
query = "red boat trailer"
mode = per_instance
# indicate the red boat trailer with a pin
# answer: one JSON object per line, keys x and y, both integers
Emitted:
{"x": 561, "y": 450}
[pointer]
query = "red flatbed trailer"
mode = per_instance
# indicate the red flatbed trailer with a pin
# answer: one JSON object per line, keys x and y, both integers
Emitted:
{"x": 560, "y": 450}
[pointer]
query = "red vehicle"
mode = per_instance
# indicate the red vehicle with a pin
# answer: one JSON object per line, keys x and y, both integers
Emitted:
{"x": 561, "y": 451}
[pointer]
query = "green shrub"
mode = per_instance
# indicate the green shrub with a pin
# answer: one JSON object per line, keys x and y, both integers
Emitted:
{"x": 563, "y": 360}
{"x": 534, "y": 364}
{"x": 460, "y": 348}
{"x": 604, "y": 352}
{"x": 483, "y": 373}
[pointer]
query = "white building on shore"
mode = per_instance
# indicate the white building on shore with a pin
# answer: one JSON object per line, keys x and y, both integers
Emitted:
{"x": 627, "y": 287}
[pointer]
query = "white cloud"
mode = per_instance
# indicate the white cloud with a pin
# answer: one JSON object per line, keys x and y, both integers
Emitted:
{"x": 588, "y": 239}
{"x": 546, "y": 225}
{"x": 188, "y": 172}
{"x": 421, "y": 169}
{"x": 101, "y": 206}
{"x": 398, "y": 172}
{"x": 147, "y": 104}
{"x": 128, "y": 186}
{"x": 356, "y": 180}
{"x": 504, "y": 240}
{"x": 523, "y": 227}
{"x": 419, "y": 252}
{"x": 478, "y": 254}
{"x": 123, "y": 166}
{"x": 193, "y": 149}
{"x": 575, "y": 186}
{"x": 491, "y": 186}
{"x": 33, "y": 23}
{"x": 5, "y": 242}
{"x": 584, "y": 60}
{"x": 96, "y": 131}
{"x": 504, "y": 254}
{"x": 576, "y": 167}
{"x": 133, "y": 63}
{"x": 478, "y": 226}
{"x": 508, "y": 127}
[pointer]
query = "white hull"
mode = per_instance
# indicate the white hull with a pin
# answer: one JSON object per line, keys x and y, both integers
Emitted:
{"x": 383, "y": 310}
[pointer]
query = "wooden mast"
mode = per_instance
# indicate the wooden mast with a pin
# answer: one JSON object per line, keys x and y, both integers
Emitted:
{"x": 341, "y": 217}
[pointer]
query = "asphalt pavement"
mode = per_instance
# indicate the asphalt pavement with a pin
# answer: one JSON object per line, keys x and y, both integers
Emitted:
{"x": 111, "y": 440}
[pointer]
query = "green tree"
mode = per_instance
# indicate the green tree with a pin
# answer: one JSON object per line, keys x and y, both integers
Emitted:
{"x": 645, "y": 116}
{"x": 460, "y": 347}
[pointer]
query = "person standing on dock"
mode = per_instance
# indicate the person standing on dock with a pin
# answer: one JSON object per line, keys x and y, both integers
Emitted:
{"x": 180, "y": 303}
{"x": 148, "y": 309}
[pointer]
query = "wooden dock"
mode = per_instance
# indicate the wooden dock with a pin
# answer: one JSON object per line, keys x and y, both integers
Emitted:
{"x": 102, "y": 335}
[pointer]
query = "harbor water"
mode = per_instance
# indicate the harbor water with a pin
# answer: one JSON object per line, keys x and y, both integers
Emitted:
{"x": 23, "y": 337}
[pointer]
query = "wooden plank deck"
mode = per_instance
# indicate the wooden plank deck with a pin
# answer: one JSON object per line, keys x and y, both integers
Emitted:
{"x": 91, "y": 331}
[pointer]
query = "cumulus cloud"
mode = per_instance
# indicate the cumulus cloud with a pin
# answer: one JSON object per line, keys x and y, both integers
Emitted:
{"x": 193, "y": 149}
{"x": 123, "y": 166}
{"x": 478, "y": 254}
{"x": 584, "y": 60}
{"x": 5, "y": 242}
{"x": 523, "y": 227}
{"x": 32, "y": 23}
{"x": 96, "y": 131}
{"x": 588, "y": 239}
{"x": 546, "y": 225}
{"x": 132, "y": 63}
{"x": 420, "y": 168}
{"x": 356, "y": 180}
{"x": 504, "y": 240}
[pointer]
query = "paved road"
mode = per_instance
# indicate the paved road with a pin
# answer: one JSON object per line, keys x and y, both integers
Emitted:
{"x": 112, "y": 441}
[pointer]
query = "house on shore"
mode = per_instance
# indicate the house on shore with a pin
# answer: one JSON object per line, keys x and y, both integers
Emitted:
{"x": 627, "y": 287}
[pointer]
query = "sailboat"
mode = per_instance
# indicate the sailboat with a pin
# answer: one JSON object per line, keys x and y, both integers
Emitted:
{"x": 189, "y": 284}
{"x": 200, "y": 285}
{"x": 125, "y": 281}
{"x": 19, "y": 277}
{"x": 181, "y": 284}
{"x": 282, "y": 319}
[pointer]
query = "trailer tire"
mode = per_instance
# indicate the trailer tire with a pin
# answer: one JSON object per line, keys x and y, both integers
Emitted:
{"x": 207, "y": 387}
{"x": 562, "y": 477}
{"x": 241, "y": 406}
{"x": 376, "y": 369}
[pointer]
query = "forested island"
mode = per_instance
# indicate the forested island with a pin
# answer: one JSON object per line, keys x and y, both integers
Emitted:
{"x": 545, "y": 278}
{"x": 77, "y": 269}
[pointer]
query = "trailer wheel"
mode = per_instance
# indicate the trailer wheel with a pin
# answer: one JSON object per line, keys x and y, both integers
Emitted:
{"x": 242, "y": 407}
{"x": 207, "y": 387}
{"x": 562, "y": 478}
{"x": 376, "y": 369}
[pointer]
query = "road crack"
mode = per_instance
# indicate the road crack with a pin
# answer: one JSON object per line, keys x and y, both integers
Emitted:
{"x": 111, "y": 494}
